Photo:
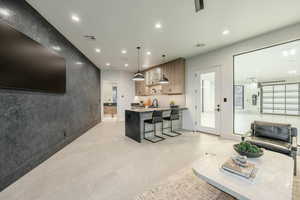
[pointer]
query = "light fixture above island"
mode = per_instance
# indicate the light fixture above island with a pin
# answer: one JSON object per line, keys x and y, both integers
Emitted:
{"x": 138, "y": 76}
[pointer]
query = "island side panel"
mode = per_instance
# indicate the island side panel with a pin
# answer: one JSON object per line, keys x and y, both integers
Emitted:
{"x": 132, "y": 125}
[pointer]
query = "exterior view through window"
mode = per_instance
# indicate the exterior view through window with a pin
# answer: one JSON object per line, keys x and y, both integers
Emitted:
{"x": 267, "y": 86}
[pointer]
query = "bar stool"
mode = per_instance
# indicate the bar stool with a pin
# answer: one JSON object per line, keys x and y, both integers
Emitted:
{"x": 173, "y": 116}
{"x": 157, "y": 117}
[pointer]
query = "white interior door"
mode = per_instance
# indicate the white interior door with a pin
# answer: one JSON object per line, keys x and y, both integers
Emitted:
{"x": 208, "y": 100}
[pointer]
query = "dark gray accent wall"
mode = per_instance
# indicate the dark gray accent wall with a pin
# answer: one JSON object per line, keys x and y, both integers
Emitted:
{"x": 33, "y": 125}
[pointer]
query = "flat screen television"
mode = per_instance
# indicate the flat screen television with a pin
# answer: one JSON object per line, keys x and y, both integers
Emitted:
{"x": 27, "y": 65}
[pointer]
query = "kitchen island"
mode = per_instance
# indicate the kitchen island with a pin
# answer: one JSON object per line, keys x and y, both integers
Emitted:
{"x": 134, "y": 121}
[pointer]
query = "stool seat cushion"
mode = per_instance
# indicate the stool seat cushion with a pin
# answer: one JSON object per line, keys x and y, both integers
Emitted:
{"x": 172, "y": 117}
{"x": 149, "y": 121}
{"x": 153, "y": 121}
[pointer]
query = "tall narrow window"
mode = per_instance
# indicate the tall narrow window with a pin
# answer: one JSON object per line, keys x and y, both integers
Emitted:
{"x": 239, "y": 96}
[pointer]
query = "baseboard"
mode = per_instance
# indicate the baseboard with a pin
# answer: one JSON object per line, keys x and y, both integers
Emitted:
{"x": 39, "y": 158}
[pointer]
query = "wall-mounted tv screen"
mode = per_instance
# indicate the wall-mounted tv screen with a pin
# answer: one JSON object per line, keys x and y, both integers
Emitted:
{"x": 27, "y": 65}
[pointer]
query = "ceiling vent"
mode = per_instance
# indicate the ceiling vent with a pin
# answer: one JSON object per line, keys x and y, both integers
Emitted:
{"x": 199, "y": 5}
{"x": 90, "y": 37}
{"x": 199, "y": 45}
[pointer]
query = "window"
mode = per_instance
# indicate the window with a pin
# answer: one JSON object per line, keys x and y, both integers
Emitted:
{"x": 267, "y": 86}
{"x": 282, "y": 99}
{"x": 239, "y": 96}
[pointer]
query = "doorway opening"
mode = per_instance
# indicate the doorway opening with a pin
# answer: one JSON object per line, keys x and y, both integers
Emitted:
{"x": 110, "y": 98}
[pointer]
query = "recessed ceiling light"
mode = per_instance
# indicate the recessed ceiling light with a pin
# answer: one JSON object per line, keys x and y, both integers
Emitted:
{"x": 4, "y": 12}
{"x": 56, "y": 48}
{"x": 126, "y": 65}
{"x": 158, "y": 25}
{"x": 226, "y": 32}
{"x": 292, "y": 72}
{"x": 98, "y": 50}
{"x": 107, "y": 64}
{"x": 79, "y": 63}
{"x": 124, "y": 51}
{"x": 293, "y": 52}
{"x": 148, "y": 52}
{"x": 285, "y": 53}
{"x": 75, "y": 18}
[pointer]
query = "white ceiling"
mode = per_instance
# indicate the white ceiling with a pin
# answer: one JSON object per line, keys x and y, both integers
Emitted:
{"x": 276, "y": 63}
{"x": 119, "y": 24}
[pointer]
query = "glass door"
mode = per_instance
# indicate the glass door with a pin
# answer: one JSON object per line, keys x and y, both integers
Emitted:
{"x": 208, "y": 105}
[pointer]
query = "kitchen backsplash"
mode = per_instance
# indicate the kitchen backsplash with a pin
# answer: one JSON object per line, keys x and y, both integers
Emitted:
{"x": 163, "y": 100}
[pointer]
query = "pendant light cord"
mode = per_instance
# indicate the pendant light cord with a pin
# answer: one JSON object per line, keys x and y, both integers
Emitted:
{"x": 138, "y": 58}
{"x": 164, "y": 60}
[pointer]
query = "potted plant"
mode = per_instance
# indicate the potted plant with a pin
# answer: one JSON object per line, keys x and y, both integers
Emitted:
{"x": 172, "y": 103}
{"x": 248, "y": 149}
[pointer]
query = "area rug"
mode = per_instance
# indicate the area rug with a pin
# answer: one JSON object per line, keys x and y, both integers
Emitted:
{"x": 184, "y": 185}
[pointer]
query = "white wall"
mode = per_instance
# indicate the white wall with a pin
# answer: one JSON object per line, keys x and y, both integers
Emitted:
{"x": 125, "y": 86}
{"x": 224, "y": 58}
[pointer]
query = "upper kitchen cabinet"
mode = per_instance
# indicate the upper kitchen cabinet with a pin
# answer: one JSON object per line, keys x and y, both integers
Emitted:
{"x": 141, "y": 89}
{"x": 175, "y": 72}
{"x": 153, "y": 76}
{"x": 167, "y": 71}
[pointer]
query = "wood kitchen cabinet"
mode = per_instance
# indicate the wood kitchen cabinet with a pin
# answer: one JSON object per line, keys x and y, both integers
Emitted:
{"x": 167, "y": 72}
{"x": 110, "y": 109}
{"x": 153, "y": 76}
{"x": 141, "y": 89}
{"x": 173, "y": 70}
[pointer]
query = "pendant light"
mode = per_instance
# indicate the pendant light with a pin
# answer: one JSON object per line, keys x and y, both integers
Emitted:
{"x": 164, "y": 79}
{"x": 138, "y": 76}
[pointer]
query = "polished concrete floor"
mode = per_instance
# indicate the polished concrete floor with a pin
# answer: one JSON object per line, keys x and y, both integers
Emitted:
{"x": 103, "y": 164}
